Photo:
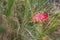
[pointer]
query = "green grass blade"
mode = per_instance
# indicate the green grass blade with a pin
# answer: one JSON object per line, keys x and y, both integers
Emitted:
{"x": 9, "y": 6}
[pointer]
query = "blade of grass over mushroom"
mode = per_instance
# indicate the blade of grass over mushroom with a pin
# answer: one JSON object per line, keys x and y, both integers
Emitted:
{"x": 51, "y": 25}
{"x": 52, "y": 19}
{"x": 9, "y": 6}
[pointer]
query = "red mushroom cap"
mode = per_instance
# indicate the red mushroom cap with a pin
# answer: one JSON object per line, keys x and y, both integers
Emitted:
{"x": 39, "y": 17}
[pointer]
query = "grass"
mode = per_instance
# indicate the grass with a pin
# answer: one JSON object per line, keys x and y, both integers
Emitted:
{"x": 18, "y": 26}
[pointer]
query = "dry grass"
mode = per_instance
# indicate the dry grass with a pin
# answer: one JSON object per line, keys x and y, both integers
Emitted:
{"x": 17, "y": 26}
